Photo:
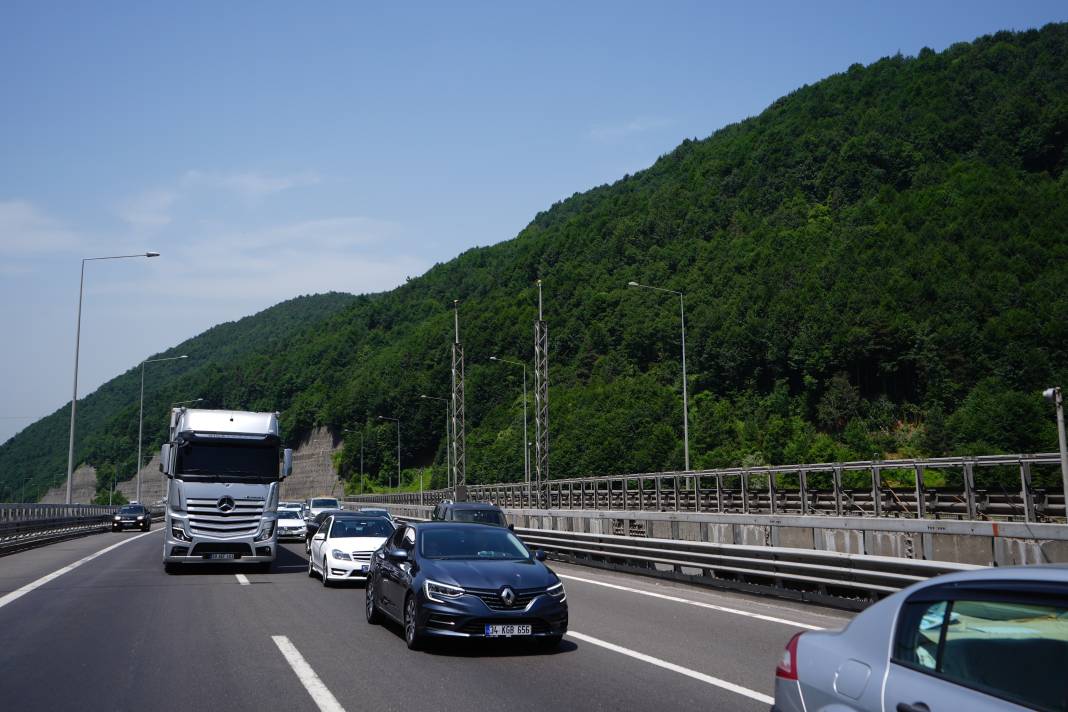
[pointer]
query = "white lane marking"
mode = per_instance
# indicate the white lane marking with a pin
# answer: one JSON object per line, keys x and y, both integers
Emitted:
{"x": 715, "y": 681}
{"x": 20, "y": 592}
{"x": 700, "y": 604}
{"x": 315, "y": 687}
{"x": 242, "y": 579}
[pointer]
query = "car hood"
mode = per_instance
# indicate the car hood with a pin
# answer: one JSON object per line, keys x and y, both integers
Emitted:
{"x": 357, "y": 543}
{"x": 482, "y": 573}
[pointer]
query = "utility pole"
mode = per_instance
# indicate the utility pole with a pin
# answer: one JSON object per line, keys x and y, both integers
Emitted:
{"x": 1057, "y": 396}
{"x": 459, "y": 453}
{"x": 541, "y": 399}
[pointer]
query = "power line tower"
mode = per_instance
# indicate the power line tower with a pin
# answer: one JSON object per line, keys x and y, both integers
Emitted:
{"x": 459, "y": 459}
{"x": 541, "y": 399}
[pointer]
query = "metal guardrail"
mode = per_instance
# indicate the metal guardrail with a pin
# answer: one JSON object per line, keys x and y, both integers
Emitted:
{"x": 843, "y": 580}
{"x": 788, "y": 489}
{"x": 23, "y": 526}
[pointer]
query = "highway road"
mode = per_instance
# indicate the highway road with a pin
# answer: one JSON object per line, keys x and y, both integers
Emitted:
{"x": 95, "y": 624}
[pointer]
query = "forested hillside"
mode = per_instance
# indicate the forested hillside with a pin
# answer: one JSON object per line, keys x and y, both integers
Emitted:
{"x": 876, "y": 264}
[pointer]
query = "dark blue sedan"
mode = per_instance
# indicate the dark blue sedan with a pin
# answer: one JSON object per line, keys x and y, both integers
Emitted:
{"x": 458, "y": 580}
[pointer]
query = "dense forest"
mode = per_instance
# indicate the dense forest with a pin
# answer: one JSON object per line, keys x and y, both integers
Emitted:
{"x": 876, "y": 265}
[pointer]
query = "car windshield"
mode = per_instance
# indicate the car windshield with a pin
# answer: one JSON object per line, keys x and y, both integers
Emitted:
{"x": 131, "y": 509}
{"x": 286, "y": 514}
{"x": 324, "y": 503}
{"x": 480, "y": 516}
{"x": 471, "y": 543}
{"x": 360, "y": 527}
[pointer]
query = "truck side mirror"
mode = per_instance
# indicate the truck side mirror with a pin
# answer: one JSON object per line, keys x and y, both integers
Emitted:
{"x": 287, "y": 462}
{"x": 164, "y": 459}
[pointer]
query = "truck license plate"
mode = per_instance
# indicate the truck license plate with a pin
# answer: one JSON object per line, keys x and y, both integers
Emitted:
{"x": 222, "y": 556}
{"x": 507, "y": 631}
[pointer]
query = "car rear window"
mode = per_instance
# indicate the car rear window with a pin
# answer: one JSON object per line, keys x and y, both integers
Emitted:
{"x": 1003, "y": 646}
{"x": 480, "y": 516}
{"x": 324, "y": 503}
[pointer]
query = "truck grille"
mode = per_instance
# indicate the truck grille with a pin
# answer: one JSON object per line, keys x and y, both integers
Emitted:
{"x": 207, "y": 519}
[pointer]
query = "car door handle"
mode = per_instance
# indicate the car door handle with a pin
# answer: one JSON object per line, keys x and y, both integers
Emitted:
{"x": 914, "y": 707}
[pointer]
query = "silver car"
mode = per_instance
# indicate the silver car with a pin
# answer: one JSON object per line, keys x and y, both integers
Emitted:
{"x": 979, "y": 641}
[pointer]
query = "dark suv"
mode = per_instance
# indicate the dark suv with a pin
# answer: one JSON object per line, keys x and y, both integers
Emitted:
{"x": 132, "y": 516}
{"x": 476, "y": 512}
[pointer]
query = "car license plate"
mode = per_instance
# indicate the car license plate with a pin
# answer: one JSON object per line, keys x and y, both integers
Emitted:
{"x": 507, "y": 631}
{"x": 363, "y": 568}
{"x": 222, "y": 556}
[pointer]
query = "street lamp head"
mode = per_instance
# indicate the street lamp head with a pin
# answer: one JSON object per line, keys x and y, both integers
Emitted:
{"x": 1050, "y": 394}
{"x": 494, "y": 358}
{"x": 633, "y": 284}
{"x": 151, "y": 254}
{"x": 184, "y": 356}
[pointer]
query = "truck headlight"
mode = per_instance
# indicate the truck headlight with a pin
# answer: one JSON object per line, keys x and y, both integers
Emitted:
{"x": 178, "y": 532}
{"x": 266, "y": 531}
{"x": 339, "y": 554}
{"x": 437, "y": 591}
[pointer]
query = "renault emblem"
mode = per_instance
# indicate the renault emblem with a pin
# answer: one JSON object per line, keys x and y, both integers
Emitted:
{"x": 226, "y": 504}
{"x": 508, "y": 596}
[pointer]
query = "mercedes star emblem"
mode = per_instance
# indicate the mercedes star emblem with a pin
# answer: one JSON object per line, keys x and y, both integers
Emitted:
{"x": 226, "y": 504}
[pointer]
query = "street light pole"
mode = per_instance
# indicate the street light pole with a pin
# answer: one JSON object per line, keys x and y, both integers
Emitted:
{"x": 526, "y": 450}
{"x": 397, "y": 421}
{"x": 1057, "y": 396}
{"x": 448, "y": 438}
{"x": 77, "y": 348}
{"x": 141, "y": 416}
{"x": 685, "y": 399}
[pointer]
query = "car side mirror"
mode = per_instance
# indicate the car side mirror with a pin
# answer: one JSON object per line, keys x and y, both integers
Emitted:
{"x": 511, "y": 527}
{"x": 320, "y": 537}
{"x": 539, "y": 554}
{"x": 397, "y": 556}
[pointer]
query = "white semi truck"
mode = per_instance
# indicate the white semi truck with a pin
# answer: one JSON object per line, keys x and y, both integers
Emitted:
{"x": 224, "y": 468}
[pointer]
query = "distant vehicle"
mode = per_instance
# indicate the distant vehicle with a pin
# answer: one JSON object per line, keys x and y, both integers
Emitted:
{"x": 318, "y": 504}
{"x": 458, "y": 580}
{"x": 224, "y": 468}
{"x": 291, "y": 524}
{"x": 341, "y": 550}
{"x": 132, "y": 516}
{"x": 311, "y": 526}
{"x": 476, "y": 512}
{"x": 978, "y": 641}
{"x": 376, "y": 512}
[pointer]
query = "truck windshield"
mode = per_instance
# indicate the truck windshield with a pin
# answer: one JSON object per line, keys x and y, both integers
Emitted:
{"x": 228, "y": 461}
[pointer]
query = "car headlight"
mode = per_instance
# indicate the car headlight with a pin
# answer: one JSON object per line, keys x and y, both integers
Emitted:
{"x": 437, "y": 591}
{"x": 339, "y": 554}
{"x": 557, "y": 591}
{"x": 118, "y": 518}
{"x": 266, "y": 531}
{"x": 140, "y": 517}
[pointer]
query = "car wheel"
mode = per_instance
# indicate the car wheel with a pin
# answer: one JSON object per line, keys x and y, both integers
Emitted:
{"x": 324, "y": 577}
{"x": 411, "y": 632}
{"x": 311, "y": 569}
{"x": 370, "y": 605}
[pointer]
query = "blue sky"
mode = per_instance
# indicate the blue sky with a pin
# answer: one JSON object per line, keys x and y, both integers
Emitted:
{"x": 272, "y": 149}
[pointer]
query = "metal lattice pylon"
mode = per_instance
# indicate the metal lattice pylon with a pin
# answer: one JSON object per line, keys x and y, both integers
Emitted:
{"x": 459, "y": 452}
{"x": 541, "y": 399}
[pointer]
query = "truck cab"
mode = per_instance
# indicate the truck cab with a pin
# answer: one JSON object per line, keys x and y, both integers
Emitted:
{"x": 224, "y": 469}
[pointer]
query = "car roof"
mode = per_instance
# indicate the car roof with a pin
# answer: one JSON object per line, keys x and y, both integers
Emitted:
{"x": 1056, "y": 573}
{"x": 451, "y": 525}
{"x": 473, "y": 505}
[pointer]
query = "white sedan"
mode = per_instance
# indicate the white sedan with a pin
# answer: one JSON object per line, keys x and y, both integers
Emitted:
{"x": 291, "y": 525}
{"x": 341, "y": 549}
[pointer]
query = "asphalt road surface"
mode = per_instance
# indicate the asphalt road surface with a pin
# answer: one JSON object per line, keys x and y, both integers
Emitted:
{"x": 114, "y": 632}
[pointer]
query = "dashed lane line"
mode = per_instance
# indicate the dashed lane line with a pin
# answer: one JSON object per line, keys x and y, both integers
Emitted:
{"x": 20, "y": 592}
{"x": 242, "y": 579}
{"x": 709, "y": 679}
{"x": 322, "y": 696}
{"x": 699, "y": 604}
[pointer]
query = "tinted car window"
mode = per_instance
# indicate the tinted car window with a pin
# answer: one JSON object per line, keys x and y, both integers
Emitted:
{"x": 1001, "y": 647}
{"x": 324, "y": 503}
{"x": 132, "y": 509}
{"x": 360, "y": 527}
{"x": 481, "y": 516}
{"x": 471, "y": 543}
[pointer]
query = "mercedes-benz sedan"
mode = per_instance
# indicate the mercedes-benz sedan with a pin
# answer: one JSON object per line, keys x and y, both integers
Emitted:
{"x": 291, "y": 524}
{"x": 132, "y": 516}
{"x": 342, "y": 547}
{"x": 459, "y": 580}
